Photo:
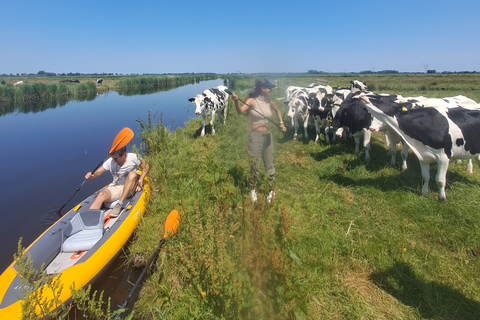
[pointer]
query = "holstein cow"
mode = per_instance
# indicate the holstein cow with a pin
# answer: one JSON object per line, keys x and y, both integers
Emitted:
{"x": 392, "y": 138}
{"x": 435, "y": 134}
{"x": 210, "y": 102}
{"x": 322, "y": 112}
{"x": 357, "y": 120}
{"x": 300, "y": 101}
{"x": 99, "y": 81}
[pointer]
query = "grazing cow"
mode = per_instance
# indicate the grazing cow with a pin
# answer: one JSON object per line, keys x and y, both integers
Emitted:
{"x": 435, "y": 134}
{"x": 17, "y": 83}
{"x": 208, "y": 103}
{"x": 3, "y": 83}
{"x": 99, "y": 81}
{"x": 358, "y": 121}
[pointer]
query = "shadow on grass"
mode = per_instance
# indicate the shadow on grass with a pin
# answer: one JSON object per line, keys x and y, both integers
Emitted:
{"x": 433, "y": 300}
{"x": 410, "y": 178}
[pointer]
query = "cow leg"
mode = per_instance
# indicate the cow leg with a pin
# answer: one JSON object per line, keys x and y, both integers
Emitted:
{"x": 305, "y": 125}
{"x": 470, "y": 166}
{"x": 295, "y": 126}
{"x": 425, "y": 176}
{"x": 357, "y": 144}
{"x": 211, "y": 123}
{"x": 442, "y": 168}
{"x": 202, "y": 116}
{"x": 392, "y": 152}
{"x": 317, "y": 129}
{"x": 224, "y": 114}
{"x": 367, "y": 135}
{"x": 404, "y": 154}
{"x": 477, "y": 158}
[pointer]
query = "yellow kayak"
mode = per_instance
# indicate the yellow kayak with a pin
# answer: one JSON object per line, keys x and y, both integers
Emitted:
{"x": 77, "y": 248}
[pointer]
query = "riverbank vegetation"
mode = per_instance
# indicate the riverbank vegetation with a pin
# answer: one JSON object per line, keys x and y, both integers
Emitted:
{"x": 36, "y": 94}
{"x": 343, "y": 239}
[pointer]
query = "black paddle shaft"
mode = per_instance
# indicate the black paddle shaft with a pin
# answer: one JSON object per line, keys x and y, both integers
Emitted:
{"x": 277, "y": 124}
{"x": 78, "y": 189}
{"x": 153, "y": 257}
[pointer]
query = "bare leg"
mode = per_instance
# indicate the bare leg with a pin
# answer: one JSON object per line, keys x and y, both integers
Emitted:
{"x": 102, "y": 196}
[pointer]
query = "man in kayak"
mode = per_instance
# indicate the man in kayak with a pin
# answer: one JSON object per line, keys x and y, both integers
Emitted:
{"x": 122, "y": 166}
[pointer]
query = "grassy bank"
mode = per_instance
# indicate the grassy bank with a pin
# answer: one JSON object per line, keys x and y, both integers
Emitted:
{"x": 343, "y": 239}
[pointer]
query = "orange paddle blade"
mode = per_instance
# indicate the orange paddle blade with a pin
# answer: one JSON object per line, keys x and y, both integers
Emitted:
{"x": 171, "y": 224}
{"x": 121, "y": 140}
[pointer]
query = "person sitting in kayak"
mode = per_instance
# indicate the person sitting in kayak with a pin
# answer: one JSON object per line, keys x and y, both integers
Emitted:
{"x": 122, "y": 166}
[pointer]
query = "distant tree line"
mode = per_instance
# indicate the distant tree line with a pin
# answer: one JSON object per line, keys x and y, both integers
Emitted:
{"x": 389, "y": 72}
{"x": 42, "y": 73}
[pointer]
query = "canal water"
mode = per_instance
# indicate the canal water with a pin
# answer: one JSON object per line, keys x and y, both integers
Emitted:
{"x": 45, "y": 155}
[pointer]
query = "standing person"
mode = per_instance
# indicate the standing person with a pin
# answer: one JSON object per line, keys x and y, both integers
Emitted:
{"x": 259, "y": 107}
{"x": 122, "y": 166}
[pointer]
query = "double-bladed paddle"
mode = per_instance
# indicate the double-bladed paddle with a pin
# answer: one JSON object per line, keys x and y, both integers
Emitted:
{"x": 171, "y": 225}
{"x": 120, "y": 141}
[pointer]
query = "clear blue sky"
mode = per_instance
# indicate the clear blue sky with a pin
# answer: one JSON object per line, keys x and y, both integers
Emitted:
{"x": 179, "y": 36}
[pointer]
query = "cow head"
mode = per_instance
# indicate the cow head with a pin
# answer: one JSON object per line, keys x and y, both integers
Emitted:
{"x": 199, "y": 101}
{"x": 356, "y": 85}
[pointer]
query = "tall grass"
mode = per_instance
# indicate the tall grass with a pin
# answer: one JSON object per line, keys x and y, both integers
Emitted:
{"x": 343, "y": 240}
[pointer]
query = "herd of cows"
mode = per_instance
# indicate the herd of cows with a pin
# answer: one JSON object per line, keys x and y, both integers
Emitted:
{"x": 436, "y": 130}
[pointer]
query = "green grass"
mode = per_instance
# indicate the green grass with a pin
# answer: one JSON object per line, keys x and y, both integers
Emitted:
{"x": 344, "y": 239}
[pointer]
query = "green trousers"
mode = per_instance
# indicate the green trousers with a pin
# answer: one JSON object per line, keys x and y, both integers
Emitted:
{"x": 260, "y": 145}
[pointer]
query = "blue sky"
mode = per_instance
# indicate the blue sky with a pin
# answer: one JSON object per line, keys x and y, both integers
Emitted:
{"x": 238, "y": 36}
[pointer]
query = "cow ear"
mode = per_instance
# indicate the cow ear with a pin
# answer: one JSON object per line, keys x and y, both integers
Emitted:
{"x": 351, "y": 81}
{"x": 191, "y": 99}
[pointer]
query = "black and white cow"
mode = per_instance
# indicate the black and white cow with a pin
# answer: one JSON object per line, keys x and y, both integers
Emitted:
{"x": 435, "y": 134}
{"x": 99, "y": 81}
{"x": 300, "y": 101}
{"x": 392, "y": 138}
{"x": 210, "y": 102}
{"x": 322, "y": 112}
{"x": 354, "y": 117}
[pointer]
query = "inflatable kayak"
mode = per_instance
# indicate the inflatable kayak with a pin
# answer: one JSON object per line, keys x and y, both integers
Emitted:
{"x": 77, "y": 248}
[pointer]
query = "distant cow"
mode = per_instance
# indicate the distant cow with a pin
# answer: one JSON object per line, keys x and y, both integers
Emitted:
{"x": 99, "y": 81}
{"x": 3, "y": 83}
{"x": 210, "y": 102}
{"x": 17, "y": 83}
{"x": 435, "y": 134}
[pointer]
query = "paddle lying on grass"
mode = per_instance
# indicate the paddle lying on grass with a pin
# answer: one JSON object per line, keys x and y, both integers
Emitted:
{"x": 171, "y": 225}
{"x": 120, "y": 141}
{"x": 277, "y": 124}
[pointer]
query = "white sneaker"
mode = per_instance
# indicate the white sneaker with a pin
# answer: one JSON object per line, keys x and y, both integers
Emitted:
{"x": 116, "y": 210}
{"x": 253, "y": 195}
{"x": 270, "y": 197}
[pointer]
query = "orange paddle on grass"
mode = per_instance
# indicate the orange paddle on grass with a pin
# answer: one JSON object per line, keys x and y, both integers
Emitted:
{"x": 171, "y": 226}
{"x": 120, "y": 141}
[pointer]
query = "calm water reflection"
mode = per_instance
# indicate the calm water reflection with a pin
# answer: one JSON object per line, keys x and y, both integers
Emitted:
{"x": 45, "y": 155}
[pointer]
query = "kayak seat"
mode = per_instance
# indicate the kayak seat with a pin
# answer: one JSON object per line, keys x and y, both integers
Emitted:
{"x": 83, "y": 231}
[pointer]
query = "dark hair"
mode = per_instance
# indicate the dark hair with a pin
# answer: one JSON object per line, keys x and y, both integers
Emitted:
{"x": 259, "y": 84}
{"x": 120, "y": 152}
